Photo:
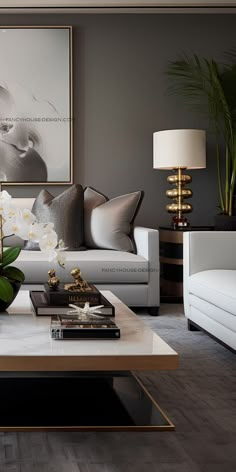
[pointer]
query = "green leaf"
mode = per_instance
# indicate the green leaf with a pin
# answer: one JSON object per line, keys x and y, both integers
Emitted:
{"x": 6, "y": 290}
{"x": 10, "y": 255}
{"x": 209, "y": 88}
{"x": 14, "y": 274}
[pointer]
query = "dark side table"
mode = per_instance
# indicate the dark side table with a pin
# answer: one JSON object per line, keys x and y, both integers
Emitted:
{"x": 171, "y": 261}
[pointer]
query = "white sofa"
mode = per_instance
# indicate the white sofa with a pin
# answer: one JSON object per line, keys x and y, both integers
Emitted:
{"x": 210, "y": 283}
{"x": 134, "y": 278}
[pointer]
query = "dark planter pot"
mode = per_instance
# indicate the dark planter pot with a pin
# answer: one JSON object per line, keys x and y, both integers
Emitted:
{"x": 3, "y": 305}
{"x": 225, "y": 223}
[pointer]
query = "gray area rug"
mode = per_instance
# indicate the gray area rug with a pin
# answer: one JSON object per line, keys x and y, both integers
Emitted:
{"x": 200, "y": 398}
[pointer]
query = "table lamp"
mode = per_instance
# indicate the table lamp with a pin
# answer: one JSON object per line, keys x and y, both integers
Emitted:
{"x": 179, "y": 149}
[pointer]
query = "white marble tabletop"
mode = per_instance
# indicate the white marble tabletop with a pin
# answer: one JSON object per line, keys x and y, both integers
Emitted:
{"x": 26, "y": 344}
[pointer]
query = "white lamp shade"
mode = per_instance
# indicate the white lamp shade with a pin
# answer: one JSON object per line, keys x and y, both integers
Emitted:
{"x": 179, "y": 148}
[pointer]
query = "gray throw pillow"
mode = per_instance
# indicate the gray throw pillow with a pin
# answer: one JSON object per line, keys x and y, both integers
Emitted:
{"x": 108, "y": 223}
{"x": 66, "y": 212}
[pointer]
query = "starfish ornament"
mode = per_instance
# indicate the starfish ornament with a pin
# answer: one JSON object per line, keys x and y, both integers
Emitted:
{"x": 86, "y": 311}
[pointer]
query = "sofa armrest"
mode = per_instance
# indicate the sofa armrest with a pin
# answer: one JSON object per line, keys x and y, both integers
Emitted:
{"x": 205, "y": 250}
{"x": 147, "y": 244}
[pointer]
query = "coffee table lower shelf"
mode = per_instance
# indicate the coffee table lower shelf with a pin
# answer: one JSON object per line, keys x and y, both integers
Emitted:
{"x": 94, "y": 401}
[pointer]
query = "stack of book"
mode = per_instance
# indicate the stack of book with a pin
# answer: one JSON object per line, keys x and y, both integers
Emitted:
{"x": 67, "y": 325}
{"x": 76, "y": 327}
{"x": 43, "y": 307}
{"x": 60, "y": 296}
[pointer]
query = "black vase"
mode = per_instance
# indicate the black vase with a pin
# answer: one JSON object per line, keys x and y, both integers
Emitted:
{"x": 225, "y": 223}
{"x": 5, "y": 305}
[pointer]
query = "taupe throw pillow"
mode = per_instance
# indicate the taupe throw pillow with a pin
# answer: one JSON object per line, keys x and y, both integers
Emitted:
{"x": 108, "y": 223}
{"x": 66, "y": 212}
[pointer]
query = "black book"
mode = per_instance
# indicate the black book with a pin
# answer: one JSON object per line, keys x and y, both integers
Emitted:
{"x": 43, "y": 308}
{"x": 61, "y": 297}
{"x": 76, "y": 327}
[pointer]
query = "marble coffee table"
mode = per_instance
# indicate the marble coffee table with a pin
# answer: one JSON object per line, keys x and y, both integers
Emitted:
{"x": 78, "y": 384}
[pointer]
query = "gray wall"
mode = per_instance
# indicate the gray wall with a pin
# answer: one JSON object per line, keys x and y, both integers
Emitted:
{"x": 120, "y": 100}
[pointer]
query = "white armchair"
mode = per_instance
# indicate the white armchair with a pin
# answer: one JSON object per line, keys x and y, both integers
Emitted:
{"x": 210, "y": 283}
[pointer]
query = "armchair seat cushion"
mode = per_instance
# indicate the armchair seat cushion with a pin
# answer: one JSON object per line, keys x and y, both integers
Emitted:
{"x": 213, "y": 313}
{"x": 215, "y": 286}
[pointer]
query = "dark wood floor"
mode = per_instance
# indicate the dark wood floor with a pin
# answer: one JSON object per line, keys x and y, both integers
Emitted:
{"x": 200, "y": 398}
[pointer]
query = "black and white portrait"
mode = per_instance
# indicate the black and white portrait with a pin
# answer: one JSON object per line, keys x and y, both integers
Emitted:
{"x": 35, "y": 105}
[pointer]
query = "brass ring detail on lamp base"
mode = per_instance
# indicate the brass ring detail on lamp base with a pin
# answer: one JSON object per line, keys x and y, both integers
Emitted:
{"x": 178, "y": 194}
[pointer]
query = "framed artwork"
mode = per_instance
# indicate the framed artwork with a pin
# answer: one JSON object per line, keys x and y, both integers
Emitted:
{"x": 36, "y": 105}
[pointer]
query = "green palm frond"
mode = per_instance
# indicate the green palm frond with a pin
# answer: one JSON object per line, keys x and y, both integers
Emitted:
{"x": 228, "y": 80}
{"x": 198, "y": 81}
{"x": 230, "y": 54}
{"x": 210, "y": 88}
{"x": 219, "y": 101}
{"x": 190, "y": 79}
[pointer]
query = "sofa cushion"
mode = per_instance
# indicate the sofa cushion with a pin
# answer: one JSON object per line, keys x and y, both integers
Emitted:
{"x": 217, "y": 287}
{"x": 97, "y": 266}
{"x": 65, "y": 211}
{"x": 108, "y": 223}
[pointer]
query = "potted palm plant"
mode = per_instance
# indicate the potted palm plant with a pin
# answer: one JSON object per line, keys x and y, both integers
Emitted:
{"x": 209, "y": 87}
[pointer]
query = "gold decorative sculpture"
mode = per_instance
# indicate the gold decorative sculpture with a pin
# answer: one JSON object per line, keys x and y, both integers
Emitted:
{"x": 53, "y": 281}
{"x": 79, "y": 285}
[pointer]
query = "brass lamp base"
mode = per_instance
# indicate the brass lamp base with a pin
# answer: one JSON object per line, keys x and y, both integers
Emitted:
{"x": 179, "y": 194}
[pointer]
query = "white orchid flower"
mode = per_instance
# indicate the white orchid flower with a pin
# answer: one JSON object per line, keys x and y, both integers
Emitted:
{"x": 9, "y": 210}
{"x": 34, "y": 232}
{"x": 27, "y": 216}
{"x": 55, "y": 255}
{"x": 11, "y": 226}
{"x": 15, "y": 225}
{"x": 60, "y": 257}
{"x": 47, "y": 228}
{"x": 5, "y": 199}
{"x": 19, "y": 222}
{"x": 61, "y": 245}
{"x": 5, "y": 196}
{"x": 48, "y": 241}
{"x": 51, "y": 254}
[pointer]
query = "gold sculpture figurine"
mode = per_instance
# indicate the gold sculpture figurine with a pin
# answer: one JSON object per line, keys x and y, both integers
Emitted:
{"x": 53, "y": 281}
{"x": 79, "y": 285}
